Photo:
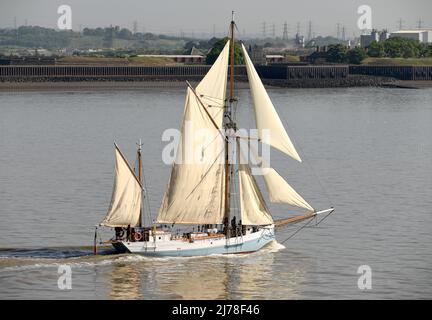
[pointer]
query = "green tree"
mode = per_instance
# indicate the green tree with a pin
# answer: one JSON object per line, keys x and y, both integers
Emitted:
{"x": 218, "y": 47}
{"x": 125, "y": 34}
{"x": 401, "y": 47}
{"x": 337, "y": 53}
{"x": 376, "y": 49}
{"x": 356, "y": 55}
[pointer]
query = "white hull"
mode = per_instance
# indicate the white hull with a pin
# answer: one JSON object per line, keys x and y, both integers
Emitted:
{"x": 160, "y": 246}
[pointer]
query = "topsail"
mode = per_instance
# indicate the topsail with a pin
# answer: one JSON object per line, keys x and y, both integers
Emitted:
{"x": 270, "y": 128}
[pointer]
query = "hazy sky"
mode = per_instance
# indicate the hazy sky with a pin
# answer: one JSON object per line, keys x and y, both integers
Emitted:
{"x": 202, "y": 16}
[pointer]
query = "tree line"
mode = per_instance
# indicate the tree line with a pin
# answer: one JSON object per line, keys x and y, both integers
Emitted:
{"x": 391, "y": 48}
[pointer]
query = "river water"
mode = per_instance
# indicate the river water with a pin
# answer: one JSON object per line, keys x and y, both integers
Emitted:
{"x": 366, "y": 151}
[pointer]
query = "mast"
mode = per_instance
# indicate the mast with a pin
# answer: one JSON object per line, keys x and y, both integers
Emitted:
{"x": 228, "y": 126}
{"x": 140, "y": 179}
{"x": 232, "y": 60}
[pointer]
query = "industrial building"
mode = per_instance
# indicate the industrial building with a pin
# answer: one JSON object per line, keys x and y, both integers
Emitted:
{"x": 375, "y": 35}
{"x": 421, "y": 35}
{"x": 182, "y": 58}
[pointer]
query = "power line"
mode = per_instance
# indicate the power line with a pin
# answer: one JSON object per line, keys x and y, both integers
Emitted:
{"x": 135, "y": 27}
{"x": 420, "y": 23}
{"x": 285, "y": 32}
{"x": 400, "y": 21}
{"x": 309, "y": 31}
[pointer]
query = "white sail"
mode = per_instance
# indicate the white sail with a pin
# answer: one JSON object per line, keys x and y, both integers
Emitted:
{"x": 280, "y": 191}
{"x": 195, "y": 192}
{"x": 126, "y": 198}
{"x": 252, "y": 205}
{"x": 211, "y": 90}
{"x": 266, "y": 115}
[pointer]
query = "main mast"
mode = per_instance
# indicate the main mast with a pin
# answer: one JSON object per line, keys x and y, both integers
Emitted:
{"x": 229, "y": 124}
{"x": 140, "y": 180}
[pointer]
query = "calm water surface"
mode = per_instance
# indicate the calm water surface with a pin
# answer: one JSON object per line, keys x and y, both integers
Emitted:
{"x": 366, "y": 151}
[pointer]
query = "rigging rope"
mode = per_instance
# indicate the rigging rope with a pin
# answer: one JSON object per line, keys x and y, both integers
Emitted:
{"x": 146, "y": 197}
{"x": 306, "y": 160}
{"x": 297, "y": 231}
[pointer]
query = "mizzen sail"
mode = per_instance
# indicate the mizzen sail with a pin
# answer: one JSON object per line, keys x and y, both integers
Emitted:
{"x": 126, "y": 198}
{"x": 266, "y": 115}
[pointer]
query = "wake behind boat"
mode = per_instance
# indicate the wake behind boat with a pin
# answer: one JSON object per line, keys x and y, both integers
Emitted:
{"x": 211, "y": 187}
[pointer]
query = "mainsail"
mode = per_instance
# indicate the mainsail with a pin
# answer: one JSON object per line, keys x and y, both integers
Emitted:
{"x": 195, "y": 190}
{"x": 126, "y": 198}
{"x": 266, "y": 115}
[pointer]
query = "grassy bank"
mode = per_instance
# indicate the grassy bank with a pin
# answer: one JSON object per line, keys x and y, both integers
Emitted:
{"x": 398, "y": 61}
{"x": 86, "y": 60}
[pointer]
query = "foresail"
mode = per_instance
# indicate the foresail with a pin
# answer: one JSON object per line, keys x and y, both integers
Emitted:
{"x": 252, "y": 205}
{"x": 266, "y": 115}
{"x": 195, "y": 192}
{"x": 280, "y": 191}
{"x": 126, "y": 198}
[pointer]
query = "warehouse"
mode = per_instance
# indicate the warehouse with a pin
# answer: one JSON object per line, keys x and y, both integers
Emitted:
{"x": 421, "y": 35}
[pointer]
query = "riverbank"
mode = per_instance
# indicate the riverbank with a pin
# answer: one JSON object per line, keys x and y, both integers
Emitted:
{"x": 98, "y": 85}
{"x": 346, "y": 82}
{"x": 38, "y": 77}
{"x": 350, "y": 81}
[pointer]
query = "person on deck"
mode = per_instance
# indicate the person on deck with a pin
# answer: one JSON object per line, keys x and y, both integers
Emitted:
{"x": 118, "y": 233}
{"x": 128, "y": 233}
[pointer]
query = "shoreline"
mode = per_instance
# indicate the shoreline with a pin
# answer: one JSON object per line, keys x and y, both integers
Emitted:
{"x": 351, "y": 81}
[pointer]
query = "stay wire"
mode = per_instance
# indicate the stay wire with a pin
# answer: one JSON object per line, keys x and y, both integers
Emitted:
{"x": 307, "y": 162}
{"x": 297, "y": 231}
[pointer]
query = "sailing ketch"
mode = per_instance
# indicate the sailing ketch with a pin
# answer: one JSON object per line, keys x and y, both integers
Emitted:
{"x": 202, "y": 192}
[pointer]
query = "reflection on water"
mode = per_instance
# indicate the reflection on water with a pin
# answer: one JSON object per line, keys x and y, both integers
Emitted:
{"x": 198, "y": 278}
{"x": 125, "y": 282}
{"x": 249, "y": 276}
